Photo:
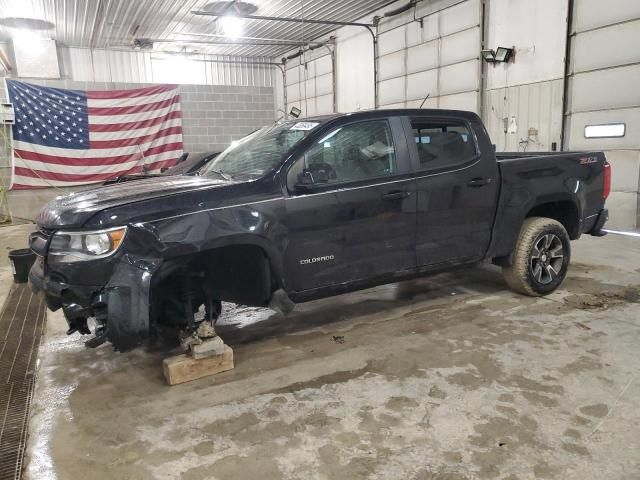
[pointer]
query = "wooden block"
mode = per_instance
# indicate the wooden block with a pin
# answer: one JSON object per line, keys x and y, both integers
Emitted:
{"x": 184, "y": 368}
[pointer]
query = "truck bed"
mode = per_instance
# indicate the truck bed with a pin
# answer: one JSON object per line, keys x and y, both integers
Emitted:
{"x": 554, "y": 179}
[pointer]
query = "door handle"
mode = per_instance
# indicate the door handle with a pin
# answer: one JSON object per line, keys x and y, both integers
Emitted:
{"x": 398, "y": 195}
{"x": 479, "y": 182}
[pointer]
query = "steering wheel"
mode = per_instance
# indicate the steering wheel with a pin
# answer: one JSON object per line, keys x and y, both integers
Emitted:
{"x": 317, "y": 169}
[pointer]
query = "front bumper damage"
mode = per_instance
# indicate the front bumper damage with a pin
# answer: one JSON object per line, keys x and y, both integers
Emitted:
{"x": 121, "y": 308}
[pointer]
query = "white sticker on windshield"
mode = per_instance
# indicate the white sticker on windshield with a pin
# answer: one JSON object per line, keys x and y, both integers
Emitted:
{"x": 305, "y": 126}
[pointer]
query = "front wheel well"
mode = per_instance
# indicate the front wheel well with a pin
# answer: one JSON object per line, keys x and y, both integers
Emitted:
{"x": 564, "y": 211}
{"x": 234, "y": 273}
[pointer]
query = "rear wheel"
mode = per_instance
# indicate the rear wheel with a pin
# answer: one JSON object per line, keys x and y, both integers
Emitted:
{"x": 541, "y": 257}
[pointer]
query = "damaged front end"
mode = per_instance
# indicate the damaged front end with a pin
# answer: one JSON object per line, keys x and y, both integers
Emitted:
{"x": 101, "y": 289}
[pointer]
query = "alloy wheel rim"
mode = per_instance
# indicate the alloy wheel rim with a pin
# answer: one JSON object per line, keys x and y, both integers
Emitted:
{"x": 547, "y": 257}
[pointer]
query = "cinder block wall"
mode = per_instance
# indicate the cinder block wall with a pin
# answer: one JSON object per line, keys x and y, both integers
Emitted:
{"x": 212, "y": 117}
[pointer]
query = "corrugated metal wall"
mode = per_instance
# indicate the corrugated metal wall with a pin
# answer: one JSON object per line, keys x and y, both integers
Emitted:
{"x": 604, "y": 88}
{"x": 310, "y": 83}
{"x": 537, "y": 109}
{"x": 96, "y": 65}
{"x": 437, "y": 56}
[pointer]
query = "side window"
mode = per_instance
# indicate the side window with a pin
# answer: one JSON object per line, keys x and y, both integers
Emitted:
{"x": 354, "y": 152}
{"x": 442, "y": 143}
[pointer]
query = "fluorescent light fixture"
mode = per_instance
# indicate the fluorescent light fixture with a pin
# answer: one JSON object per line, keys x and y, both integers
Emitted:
{"x": 295, "y": 112}
{"x": 232, "y": 27}
{"x": 488, "y": 55}
{"x": 503, "y": 54}
{"x": 610, "y": 130}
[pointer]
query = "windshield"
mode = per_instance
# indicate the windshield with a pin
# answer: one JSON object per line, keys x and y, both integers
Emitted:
{"x": 256, "y": 154}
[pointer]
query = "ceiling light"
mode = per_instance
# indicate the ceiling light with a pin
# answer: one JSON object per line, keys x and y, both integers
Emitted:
{"x": 232, "y": 27}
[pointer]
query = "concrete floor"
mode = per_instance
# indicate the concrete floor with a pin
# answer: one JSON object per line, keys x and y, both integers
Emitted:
{"x": 449, "y": 377}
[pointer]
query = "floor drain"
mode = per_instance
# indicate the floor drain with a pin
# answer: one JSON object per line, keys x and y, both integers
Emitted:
{"x": 21, "y": 325}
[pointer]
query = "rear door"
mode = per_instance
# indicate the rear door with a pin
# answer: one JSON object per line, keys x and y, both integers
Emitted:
{"x": 457, "y": 188}
{"x": 358, "y": 220}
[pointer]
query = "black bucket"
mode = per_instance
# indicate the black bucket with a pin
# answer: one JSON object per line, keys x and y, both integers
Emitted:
{"x": 21, "y": 261}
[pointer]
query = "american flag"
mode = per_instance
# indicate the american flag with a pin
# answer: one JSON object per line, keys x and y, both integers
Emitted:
{"x": 74, "y": 137}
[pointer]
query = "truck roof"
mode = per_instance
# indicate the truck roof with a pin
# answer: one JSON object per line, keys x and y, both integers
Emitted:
{"x": 364, "y": 114}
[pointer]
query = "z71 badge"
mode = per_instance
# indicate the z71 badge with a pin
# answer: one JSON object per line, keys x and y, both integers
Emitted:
{"x": 588, "y": 160}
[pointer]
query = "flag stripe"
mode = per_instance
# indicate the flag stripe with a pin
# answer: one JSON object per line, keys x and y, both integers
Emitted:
{"x": 140, "y": 133}
{"x": 118, "y": 127}
{"x": 88, "y": 161}
{"x": 128, "y": 142}
{"x": 91, "y": 177}
{"x": 145, "y": 107}
{"x": 66, "y": 153}
{"x": 131, "y": 101}
{"x": 138, "y": 92}
{"x": 132, "y": 117}
{"x": 99, "y": 165}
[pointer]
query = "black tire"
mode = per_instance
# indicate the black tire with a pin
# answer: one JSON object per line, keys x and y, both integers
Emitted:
{"x": 541, "y": 257}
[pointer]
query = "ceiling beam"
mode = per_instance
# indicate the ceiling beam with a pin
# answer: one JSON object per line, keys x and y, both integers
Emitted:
{"x": 287, "y": 19}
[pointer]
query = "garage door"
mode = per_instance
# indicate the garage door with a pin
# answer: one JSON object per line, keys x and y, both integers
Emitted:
{"x": 603, "y": 86}
{"x": 438, "y": 56}
{"x": 310, "y": 85}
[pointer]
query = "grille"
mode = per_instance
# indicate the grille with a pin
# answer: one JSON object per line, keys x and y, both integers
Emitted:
{"x": 22, "y": 323}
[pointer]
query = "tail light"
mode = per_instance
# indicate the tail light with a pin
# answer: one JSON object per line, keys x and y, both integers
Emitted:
{"x": 606, "y": 188}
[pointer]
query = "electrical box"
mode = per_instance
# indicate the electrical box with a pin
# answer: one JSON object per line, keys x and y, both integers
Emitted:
{"x": 7, "y": 114}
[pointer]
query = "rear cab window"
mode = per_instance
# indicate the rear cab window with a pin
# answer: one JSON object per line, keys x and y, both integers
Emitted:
{"x": 442, "y": 143}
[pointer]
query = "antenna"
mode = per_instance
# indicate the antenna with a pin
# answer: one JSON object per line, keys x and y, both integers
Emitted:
{"x": 425, "y": 100}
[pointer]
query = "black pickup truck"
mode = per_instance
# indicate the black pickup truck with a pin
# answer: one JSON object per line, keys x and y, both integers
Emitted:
{"x": 309, "y": 209}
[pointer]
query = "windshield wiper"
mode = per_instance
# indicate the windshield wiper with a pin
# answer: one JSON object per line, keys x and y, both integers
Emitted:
{"x": 226, "y": 176}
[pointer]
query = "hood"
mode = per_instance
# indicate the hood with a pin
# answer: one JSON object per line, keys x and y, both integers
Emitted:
{"x": 76, "y": 208}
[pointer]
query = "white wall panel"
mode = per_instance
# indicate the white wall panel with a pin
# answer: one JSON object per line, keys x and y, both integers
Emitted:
{"x": 460, "y": 46}
{"x": 459, "y": 78}
{"x": 392, "y": 41}
{"x": 323, "y": 65}
{"x": 590, "y": 14}
{"x": 606, "y": 38}
{"x": 606, "y": 89}
{"x": 392, "y": 65}
{"x": 293, "y": 93}
{"x": 354, "y": 69}
{"x": 421, "y": 84}
{"x": 538, "y": 32}
{"x": 628, "y": 116}
{"x": 422, "y": 57}
{"x": 392, "y": 91}
{"x": 324, "y": 104}
{"x": 459, "y": 17}
{"x": 607, "y": 47}
{"x": 446, "y": 47}
{"x": 324, "y": 84}
{"x": 460, "y": 101}
{"x": 310, "y": 85}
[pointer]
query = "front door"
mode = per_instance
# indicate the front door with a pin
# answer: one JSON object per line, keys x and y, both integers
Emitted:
{"x": 457, "y": 189}
{"x": 351, "y": 209}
